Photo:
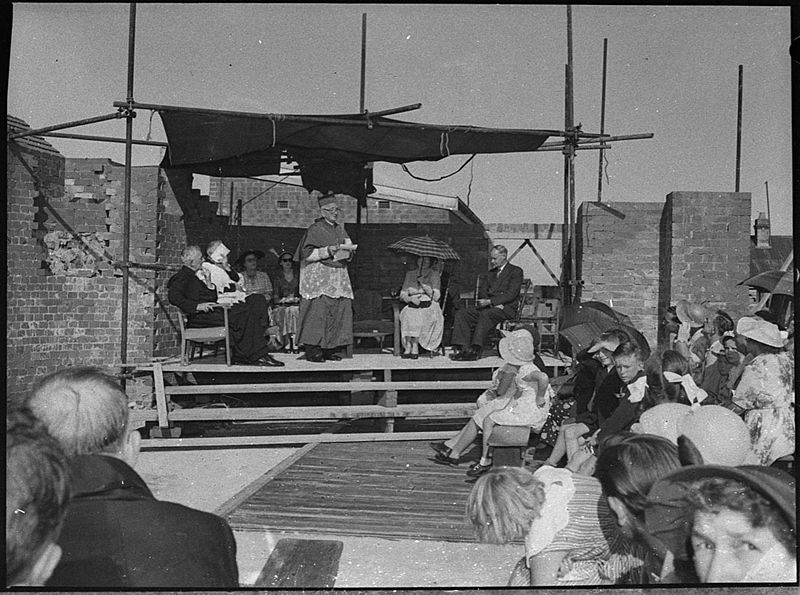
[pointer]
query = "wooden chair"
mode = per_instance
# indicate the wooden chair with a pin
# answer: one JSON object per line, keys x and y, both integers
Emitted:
{"x": 367, "y": 317}
{"x": 191, "y": 338}
{"x": 512, "y": 323}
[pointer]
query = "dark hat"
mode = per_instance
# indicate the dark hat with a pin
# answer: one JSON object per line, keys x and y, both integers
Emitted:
{"x": 669, "y": 517}
{"x": 246, "y": 253}
{"x": 327, "y": 198}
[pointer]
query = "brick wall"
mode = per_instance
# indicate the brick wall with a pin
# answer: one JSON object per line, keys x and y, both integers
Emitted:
{"x": 618, "y": 259}
{"x": 261, "y": 205}
{"x": 646, "y": 256}
{"x": 64, "y": 294}
{"x": 710, "y": 248}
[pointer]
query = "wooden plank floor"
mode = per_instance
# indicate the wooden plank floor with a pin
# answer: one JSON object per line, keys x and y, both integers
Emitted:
{"x": 390, "y": 490}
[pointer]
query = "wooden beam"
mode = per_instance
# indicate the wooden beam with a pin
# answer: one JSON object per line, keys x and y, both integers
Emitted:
{"x": 243, "y": 441}
{"x": 311, "y": 387}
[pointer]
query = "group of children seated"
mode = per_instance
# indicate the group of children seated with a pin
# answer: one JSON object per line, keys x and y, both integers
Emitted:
{"x": 649, "y": 479}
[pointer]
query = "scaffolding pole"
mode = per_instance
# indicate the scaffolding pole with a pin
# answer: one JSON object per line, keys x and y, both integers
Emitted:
{"x": 116, "y": 115}
{"x": 126, "y": 217}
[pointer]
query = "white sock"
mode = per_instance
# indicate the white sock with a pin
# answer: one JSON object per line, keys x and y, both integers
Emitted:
{"x": 485, "y": 462}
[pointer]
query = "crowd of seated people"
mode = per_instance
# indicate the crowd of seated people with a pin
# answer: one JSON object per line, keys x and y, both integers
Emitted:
{"x": 662, "y": 469}
{"x": 652, "y": 478}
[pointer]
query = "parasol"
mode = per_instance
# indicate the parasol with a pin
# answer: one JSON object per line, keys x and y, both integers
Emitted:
{"x": 776, "y": 282}
{"x": 425, "y": 246}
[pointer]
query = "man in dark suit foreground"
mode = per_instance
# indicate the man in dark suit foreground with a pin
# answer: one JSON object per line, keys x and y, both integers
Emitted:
{"x": 471, "y": 326}
{"x": 116, "y": 534}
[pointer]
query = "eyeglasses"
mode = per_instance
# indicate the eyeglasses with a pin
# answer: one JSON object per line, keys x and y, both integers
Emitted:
{"x": 332, "y": 210}
{"x": 286, "y": 260}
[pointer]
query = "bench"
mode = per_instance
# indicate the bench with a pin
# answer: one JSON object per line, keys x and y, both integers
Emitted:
{"x": 304, "y": 563}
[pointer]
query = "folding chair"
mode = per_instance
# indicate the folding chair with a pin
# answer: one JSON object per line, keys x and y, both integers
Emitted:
{"x": 191, "y": 338}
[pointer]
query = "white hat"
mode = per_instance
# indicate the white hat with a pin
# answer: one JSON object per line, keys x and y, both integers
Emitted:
{"x": 760, "y": 330}
{"x": 517, "y": 347}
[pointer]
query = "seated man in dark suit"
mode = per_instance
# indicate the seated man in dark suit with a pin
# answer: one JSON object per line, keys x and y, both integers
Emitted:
{"x": 471, "y": 326}
{"x": 116, "y": 534}
{"x": 37, "y": 488}
{"x": 247, "y": 320}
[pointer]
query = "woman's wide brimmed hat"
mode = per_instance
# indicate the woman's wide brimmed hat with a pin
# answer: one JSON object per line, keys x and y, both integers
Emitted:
{"x": 246, "y": 253}
{"x": 517, "y": 347}
{"x": 760, "y": 330}
{"x": 694, "y": 314}
{"x": 669, "y": 517}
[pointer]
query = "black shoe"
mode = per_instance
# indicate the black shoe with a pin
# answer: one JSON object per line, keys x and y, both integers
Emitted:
{"x": 332, "y": 357}
{"x": 441, "y": 459}
{"x": 315, "y": 356}
{"x": 405, "y": 356}
{"x": 458, "y": 357}
{"x": 469, "y": 356}
{"x": 440, "y": 448}
{"x": 477, "y": 469}
{"x": 269, "y": 361}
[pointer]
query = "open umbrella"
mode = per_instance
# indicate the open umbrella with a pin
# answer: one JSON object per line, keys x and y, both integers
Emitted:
{"x": 775, "y": 282}
{"x": 425, "y": 246}
{"x": 592, "y": 311}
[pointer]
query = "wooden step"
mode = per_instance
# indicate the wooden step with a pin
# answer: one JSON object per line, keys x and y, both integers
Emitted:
{"x": 318, "y": 387}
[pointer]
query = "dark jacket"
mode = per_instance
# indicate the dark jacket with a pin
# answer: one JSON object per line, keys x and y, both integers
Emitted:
{"x": 116, "y": 534}
{"x": 187, "y": 291}
{"x": 504, "y": 288}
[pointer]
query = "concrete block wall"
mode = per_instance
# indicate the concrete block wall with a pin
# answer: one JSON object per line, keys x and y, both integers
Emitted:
{"x": 618, "y": 256}
{"x": 710, "y": 248}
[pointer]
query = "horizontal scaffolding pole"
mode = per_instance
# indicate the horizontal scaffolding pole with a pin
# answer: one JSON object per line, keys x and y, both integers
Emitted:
{"x": 342, "y": 120}
{"x": 606, "y": 138}
{"x": 581, "y": 148}
{"x": 107, "y": 139}
{"x": 38, "y": 131}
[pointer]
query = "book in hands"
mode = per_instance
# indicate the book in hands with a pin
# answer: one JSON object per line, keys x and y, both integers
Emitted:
{"x": 344, "y": 251}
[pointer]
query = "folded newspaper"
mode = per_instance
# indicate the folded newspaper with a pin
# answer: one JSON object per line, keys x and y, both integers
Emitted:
{"x": 231, "y": 297}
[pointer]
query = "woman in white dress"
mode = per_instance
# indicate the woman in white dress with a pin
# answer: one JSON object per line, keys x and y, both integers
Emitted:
{"x": 421, "y": 321}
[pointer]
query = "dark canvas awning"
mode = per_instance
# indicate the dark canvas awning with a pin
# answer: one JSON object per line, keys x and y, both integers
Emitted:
{"x": 332, "y": 151}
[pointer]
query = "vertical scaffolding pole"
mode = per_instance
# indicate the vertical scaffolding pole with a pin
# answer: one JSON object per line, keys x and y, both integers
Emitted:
{"x": 565, "y": 233}
{"x": 739, "y": 130}
{"x": 602, "y": 124}
{"x": 126, "y": 215}
{"x": 572, "y": 140}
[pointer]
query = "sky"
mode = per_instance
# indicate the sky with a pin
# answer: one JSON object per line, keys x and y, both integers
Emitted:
{"x": 672, "y": 71}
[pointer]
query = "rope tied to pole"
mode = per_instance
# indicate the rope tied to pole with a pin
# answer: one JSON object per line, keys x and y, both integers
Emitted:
{"x": 444, "y": 144}
{"x": 463, "y": 165}
{"x": 150, "y": 125}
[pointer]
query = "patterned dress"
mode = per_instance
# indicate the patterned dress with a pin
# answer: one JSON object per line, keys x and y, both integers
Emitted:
{"x": 522, "y": 411}
{"x": 766, "y": 392}
{"x": 576, "y": 521}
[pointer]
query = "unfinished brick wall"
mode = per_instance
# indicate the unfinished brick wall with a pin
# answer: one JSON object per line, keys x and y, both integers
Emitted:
{"x": 645, "y": 257}
{"x": 64, "y": 294}
{"x": 710, "y": 248}
{"x": 262, "y": 205}
{"x": 618, "y": 255}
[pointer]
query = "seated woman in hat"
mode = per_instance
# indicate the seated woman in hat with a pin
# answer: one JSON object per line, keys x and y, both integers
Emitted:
{"x": 421, "y": 321}
{"x": 286, "y": 300}
{"x": 734, "y": 524}
{"x": 765, "y": 394}
{"x": 524, "y": 401}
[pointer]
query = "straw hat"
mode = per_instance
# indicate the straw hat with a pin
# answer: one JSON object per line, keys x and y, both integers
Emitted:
{"x": 517, "y": 347}
{"x": 669, "y": 518}
{"x": 760, "y": 330}
{"x": 694, "y": 314}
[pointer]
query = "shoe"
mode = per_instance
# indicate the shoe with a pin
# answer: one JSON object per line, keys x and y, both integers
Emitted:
{"x": 315, "y": 357}
{"x": 477, "y": 469}
{"x": 405, "y": 356}
{"x": 441, "y": 459}
{"x": 332, "y": 357}
{"x": 440, "y": 448}
{"x": 458, "y": 357}
{"x": 413, "y": 356}
{"x": 470, "y": 356}
{"x": 269, "y": 361}
{"x": 295, "y": 351}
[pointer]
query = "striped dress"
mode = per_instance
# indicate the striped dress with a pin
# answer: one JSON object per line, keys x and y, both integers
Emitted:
{"x": 577, "y": 522}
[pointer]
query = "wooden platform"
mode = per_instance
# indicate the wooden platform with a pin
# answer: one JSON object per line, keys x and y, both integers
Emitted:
{"x": 384, "y": 489}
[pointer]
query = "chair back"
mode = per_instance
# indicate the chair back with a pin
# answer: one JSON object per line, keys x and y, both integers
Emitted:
{"x": 523, "y": 297}
{"x": 366, "y": 305}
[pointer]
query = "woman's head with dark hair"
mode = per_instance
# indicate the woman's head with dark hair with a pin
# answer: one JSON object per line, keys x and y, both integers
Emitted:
{"x": 503, "y": 503}
{"x": 628, "y": 469}
{"x": 659, "y": 389}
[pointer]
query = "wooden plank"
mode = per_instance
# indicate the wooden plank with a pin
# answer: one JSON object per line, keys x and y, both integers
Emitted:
{"x": 447, "y": 410}
{"x": 313, "y": 387}
{"x": 241, "y": 441}
{"x": 161, "y": 398}
{"x": 305, "y": 563}
{"x": 243, "y": 494}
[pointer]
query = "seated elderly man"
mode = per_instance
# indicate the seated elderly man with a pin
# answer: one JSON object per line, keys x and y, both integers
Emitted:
{"x": 471, "y": 326}
{"x": 37, "y": 489}
{"x": 195, "y": 291}
{"x": 116, "y": 534}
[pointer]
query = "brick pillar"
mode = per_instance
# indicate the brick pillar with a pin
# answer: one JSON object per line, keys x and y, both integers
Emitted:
{"x": 618, "y": 259}
{"x": 710, "y": 245}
